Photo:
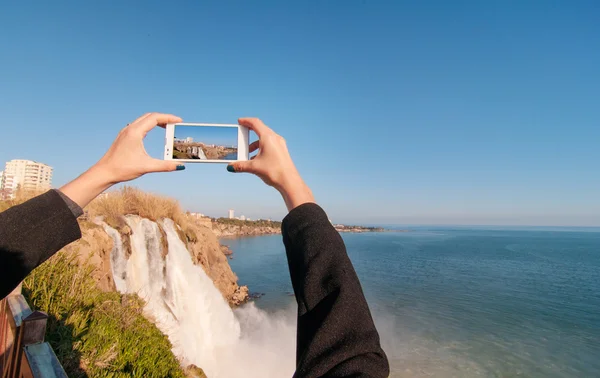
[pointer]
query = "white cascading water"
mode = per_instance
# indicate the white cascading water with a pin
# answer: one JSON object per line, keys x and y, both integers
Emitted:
{"x": 186, "y": 306}
{"x": 118, "y": 260}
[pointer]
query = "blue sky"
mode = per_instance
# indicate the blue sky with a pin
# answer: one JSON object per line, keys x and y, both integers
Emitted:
{"x": 224, "y": 136}
{"x": 395, "y": 112}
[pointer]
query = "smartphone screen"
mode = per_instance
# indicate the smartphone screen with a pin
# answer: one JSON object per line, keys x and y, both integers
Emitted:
{"x": 205, "y": 142}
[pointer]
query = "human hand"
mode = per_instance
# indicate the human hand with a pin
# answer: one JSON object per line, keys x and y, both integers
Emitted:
{"x": 273, "y": 164}
{"x": 125, "y": 160}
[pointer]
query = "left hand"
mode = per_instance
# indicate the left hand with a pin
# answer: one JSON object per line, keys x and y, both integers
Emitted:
{"x": 127, "y": 158}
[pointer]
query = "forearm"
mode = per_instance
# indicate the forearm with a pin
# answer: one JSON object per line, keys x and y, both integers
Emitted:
{"x": 294, "y": 190}
{"x": 336, "y": 334}
{"x": 88, "y": 186}
{"x": 32, "y": 232}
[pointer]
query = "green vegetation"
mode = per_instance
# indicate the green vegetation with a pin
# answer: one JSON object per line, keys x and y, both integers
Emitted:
{"x": 254, "y": 223}
{"x": 94, "y": 333}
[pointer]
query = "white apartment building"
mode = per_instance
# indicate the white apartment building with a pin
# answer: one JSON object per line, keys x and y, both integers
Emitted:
{"x": 231, "y": 214}
{"x": 28, "y": 175}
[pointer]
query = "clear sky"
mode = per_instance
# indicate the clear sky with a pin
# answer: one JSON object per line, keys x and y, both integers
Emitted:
{"x": 224, "y": 136}
{"x": 445, "y": 112}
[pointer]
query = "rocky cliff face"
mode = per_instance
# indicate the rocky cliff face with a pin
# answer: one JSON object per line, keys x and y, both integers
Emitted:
{"x": 95, "y": 246}
{"x": 205, "y": 250}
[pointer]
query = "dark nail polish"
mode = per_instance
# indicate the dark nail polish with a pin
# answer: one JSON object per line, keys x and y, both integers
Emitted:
{"x": 180, "y": 167}
{"x": 231, "y": 168}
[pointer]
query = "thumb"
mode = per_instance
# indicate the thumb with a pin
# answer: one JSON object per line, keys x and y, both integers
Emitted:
{"x": 157, "y": 165}
{"x": 241, "y": 166}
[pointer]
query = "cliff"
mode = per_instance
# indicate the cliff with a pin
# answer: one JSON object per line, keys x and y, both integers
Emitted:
{"x": 202, "y": 243}
{"x": 207, "y": 252}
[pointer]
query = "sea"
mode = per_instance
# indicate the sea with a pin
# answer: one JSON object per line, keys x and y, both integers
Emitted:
{"x": 460, "y": 301}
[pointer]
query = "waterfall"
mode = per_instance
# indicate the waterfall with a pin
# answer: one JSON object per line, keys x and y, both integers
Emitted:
{"x": 118, "y": 261}
{"x": 186, "y": 306}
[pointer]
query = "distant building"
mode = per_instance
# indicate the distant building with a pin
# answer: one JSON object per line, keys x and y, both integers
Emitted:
{"x": 197, "y": 215}
{"x": 231, "y": 214}
{"x": 1, "y": 180}
{"x": 26, "y": 174}
{"x": 186, "y": 140}
{"x": 242, "y": 217}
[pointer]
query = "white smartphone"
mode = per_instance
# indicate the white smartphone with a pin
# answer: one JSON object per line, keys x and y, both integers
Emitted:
{"x": 206, "y": 142}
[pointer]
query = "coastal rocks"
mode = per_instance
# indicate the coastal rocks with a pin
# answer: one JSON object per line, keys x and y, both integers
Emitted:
{"x": 226, "y": 250}
{"x": 228, "y": 230}
{"x": 240, "y": 296}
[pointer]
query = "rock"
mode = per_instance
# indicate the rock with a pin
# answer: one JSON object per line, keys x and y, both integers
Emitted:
{"x": 193, "y": 371}
{"x": 240, "y": 296}
{"x": 255, "y": 295}
{"x": 226, "y": 250}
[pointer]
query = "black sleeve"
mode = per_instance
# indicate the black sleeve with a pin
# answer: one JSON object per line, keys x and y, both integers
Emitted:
{"x": 32, "y": 232}
{"x": 336, "y": 336}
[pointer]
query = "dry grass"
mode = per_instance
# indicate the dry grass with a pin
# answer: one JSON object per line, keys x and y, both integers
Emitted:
{"x": 20, "y": 196}
{"x": 132, "y": 201}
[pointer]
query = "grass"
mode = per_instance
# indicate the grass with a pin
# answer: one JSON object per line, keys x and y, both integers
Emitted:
{"x": 95, "y": 333}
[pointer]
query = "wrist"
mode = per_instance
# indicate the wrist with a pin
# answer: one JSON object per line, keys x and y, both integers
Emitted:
{"x": 88, "y": 186}
{"x": 295, "y": 192}
{"x": 102, "y": 175}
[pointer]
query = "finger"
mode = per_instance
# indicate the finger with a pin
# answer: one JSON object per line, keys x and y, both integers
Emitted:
{"x": 255, "y": 125}
{"x": 138, "y": 119}
{"x": 253, "y": 146}
{"x": 157, "y": 165}
{"x": 149, "y": 122}
{"x": 241, "y": 166}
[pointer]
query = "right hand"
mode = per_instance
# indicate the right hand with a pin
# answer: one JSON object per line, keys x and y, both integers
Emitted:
{"x": 273, "y": 164}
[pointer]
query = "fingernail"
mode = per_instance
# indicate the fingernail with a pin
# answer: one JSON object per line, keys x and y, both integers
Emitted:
{"x": 231, "y": 168}
{"x": 180, "y": 167}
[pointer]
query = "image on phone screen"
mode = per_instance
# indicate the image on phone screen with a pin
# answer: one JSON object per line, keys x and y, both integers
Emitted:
{"x": 205, "y": 143}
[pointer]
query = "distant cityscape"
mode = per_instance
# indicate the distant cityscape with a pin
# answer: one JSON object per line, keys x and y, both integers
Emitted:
{"x": 230, "y": 215}
{"x": 24, "y": 174}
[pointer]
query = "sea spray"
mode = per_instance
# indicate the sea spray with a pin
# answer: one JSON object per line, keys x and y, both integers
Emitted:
{"x": 186, "y": 306}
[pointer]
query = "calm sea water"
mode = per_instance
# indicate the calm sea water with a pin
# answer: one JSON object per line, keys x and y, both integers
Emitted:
{"x": 464, "y": 302}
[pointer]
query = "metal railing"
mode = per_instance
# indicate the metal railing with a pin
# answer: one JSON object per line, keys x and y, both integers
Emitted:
{"x": 23, "y": 352}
